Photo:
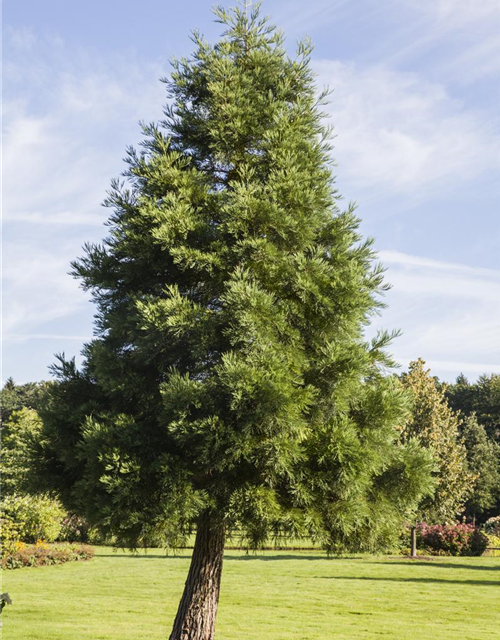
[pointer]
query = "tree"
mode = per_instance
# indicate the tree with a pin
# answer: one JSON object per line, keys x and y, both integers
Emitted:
{"x": 436, "y": 427}
{"x": 229, "y": 385}
{"x": 481, "y": 398}
{"x": 20, "y": 437}
{"x": 14, "y": 397}
{"x": 483, "y": 461}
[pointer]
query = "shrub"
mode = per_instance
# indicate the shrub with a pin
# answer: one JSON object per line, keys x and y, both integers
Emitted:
{"x": 30, "y": 518}
{"x": 41, "y": 553}
{"x": 9, "y": 536}
{"x": 74, "y": 529}
{"x": 493, "y": 541}
{"x": 452, "y": 539}
{"x": 492, "y": 526}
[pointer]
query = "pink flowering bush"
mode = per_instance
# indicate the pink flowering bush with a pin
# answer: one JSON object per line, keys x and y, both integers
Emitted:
{"x": 451, "y": 539}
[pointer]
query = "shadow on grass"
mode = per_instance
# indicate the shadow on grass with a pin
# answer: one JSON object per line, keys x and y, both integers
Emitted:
{"x": 440, "y": 564}
{"x": 484, "y": 583}
{"x": 142, "y": 556}
{"x": 274, "y": 558}
{"x": 246, "y": 558}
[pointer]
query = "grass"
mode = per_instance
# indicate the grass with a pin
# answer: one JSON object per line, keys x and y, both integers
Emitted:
{"x": 270, "y": 596}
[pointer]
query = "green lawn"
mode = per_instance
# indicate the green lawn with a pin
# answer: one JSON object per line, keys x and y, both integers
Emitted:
{"x": 271, "y": 596}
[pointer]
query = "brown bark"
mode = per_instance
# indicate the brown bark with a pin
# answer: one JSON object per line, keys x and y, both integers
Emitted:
{"x": 195, "y": 619}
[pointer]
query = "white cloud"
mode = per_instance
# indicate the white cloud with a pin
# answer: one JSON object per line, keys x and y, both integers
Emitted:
{"x": 463, "y": 367}
{"x": 25, "y": 337}
{"x": 22, "y": 39}
{"x": 66, "y": 130}
{"x": 37, "y": 287}
{"x": 401, "y": 134}
{"x": 406, "y": 259}
{"x": 449, "y": 314}
{"x": 458, "y": 14}
{"x": 463, "y": 36}
{"x": 295, "y": 16}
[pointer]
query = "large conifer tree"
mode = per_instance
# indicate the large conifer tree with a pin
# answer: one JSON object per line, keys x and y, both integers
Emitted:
{"x": 229, "y": 386}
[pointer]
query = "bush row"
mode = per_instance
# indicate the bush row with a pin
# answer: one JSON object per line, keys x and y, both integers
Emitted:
{"x": 28, "y": 518}
{"x": 39, "y": 554}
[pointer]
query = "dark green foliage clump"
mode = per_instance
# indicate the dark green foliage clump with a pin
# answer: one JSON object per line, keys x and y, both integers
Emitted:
{"x": 483, "y": 458}
{"x": 481, "y": 398}
{"x": 229, "y": 373}
{"x": 479, "y": 406}
{"x": 14, "y": 397}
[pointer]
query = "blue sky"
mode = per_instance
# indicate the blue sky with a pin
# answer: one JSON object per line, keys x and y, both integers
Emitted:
{"x": 416, "y": 109}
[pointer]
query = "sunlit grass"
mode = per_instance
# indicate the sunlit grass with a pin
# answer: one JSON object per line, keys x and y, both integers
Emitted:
{"x": 270, "y": 596}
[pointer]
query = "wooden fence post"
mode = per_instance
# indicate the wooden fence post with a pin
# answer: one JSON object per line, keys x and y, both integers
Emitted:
{"x": 413, "y": 542}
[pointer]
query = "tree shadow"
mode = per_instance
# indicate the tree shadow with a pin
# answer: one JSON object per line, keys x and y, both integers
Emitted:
{"x": 484, "y": 583}
{"x": 142, "y": 556}
{"x": 246, "y": 557}
{"x": 443, "y": 565}
{"x": 273, "y": 558}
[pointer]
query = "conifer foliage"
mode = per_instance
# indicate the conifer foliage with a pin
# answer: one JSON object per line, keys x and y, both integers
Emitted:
{"x": 229, "y": 387}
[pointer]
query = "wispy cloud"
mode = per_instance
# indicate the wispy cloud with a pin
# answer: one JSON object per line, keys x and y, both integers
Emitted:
{"x": 463, "y": 367}
{"x": 462, "y": 34}
{"x": 299, "y": 18}
{"x": 37, "y": 288}
{"x": 459, "y": 14}
{"x": 399, "y": 134}
{"x": 449, "y": 314}
{"x": 452, "y": 268}
{"x": 25, "y": 337}
{"x": 67, "y": 128}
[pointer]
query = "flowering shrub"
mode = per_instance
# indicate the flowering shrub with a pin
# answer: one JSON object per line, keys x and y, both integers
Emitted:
{"x": 492, "y": 526}
{"x": 452, "y": 539}
{"x": 74, "y": 529}
{"x": 41, "y": 553}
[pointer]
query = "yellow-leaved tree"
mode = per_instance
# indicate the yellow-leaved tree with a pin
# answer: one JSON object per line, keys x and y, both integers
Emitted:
{"x": 436, "y": 426}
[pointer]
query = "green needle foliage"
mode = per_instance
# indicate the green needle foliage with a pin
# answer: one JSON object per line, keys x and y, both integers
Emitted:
{"x": 229, "y": 386}
{"x": 229, "y": 374}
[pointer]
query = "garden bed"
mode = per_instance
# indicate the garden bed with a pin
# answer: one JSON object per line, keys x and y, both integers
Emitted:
{"x": 42, "y": 553}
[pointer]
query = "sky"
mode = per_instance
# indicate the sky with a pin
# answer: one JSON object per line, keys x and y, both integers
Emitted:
{"x": 416, "y": 110}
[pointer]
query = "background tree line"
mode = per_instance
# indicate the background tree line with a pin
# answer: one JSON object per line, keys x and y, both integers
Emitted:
{"x": 459, "y": 423}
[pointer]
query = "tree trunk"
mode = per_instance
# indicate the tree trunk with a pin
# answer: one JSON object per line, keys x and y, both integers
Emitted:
{"x": 195, "y": 619}
{"x": 414, "y": 542}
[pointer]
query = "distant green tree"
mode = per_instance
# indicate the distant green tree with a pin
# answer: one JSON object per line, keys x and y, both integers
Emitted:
{"x": 20, "y": 440}
{"x": 483, "y": 461}
{"x": 437, "y": 427}
{"x": 481, "y": 398}
{"x": 14, "y": 397}
{"x": 229, "y": 385}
